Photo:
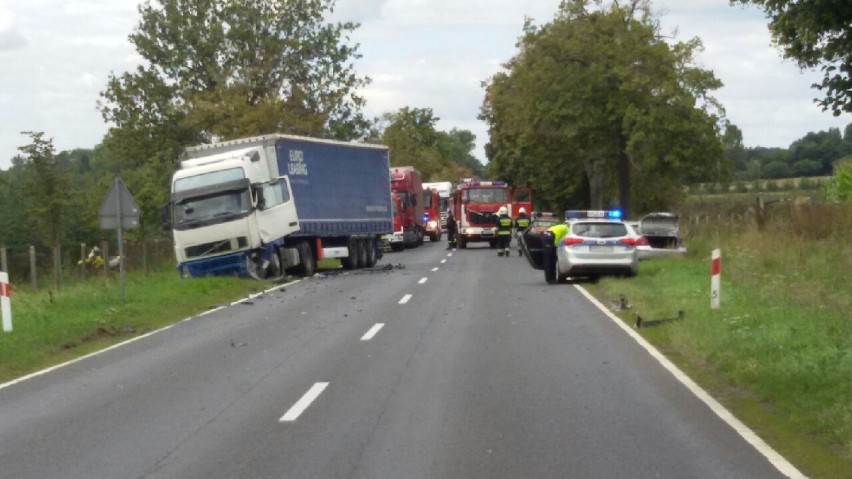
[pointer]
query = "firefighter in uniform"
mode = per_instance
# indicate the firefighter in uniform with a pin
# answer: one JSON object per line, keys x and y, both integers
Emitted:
{"x": 504, "y": 231}
{"x": 521, "y": 223}
{"x": 550, "y": 242}
{"x": 452, "y": 230}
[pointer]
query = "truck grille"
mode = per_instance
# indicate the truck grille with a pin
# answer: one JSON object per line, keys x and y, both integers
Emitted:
{"x": 217, "y": 247}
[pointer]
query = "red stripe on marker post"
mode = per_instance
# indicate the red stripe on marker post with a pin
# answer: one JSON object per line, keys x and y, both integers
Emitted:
{"x": 5, "y": 302}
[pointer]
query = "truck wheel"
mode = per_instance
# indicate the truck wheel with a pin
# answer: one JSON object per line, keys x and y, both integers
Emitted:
{"x": 372, "y": 254}
{"x": 275, "y": 270}
{"x": 397, "y": 246}
{"x": 351, "y": 261}
{"x": 363, "y": 253}
{"x": 307, "y": 261}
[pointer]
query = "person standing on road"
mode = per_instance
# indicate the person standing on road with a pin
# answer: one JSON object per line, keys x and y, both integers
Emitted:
{"x": 549, "y": 243}
{"x": 452, "y": 229}
{"x": 504, "y": 231}
{"x": 521, "y": 223}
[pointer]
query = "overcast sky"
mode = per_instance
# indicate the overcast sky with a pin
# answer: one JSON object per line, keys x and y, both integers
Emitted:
{"x": 56, "y": 55}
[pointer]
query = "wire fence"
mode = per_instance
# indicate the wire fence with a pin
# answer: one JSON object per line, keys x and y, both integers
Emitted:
{"x": 39, "y": 267}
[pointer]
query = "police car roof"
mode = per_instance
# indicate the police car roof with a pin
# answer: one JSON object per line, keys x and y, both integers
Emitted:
{"x": 598, "y": 215}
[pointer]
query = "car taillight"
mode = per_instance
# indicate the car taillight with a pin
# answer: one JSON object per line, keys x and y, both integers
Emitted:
{"x": 640, "y": 241}
{"x": 571, "y": 241}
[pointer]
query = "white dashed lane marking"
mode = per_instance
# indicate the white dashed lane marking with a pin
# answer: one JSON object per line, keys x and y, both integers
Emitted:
{"x": 405, "y": 299}
{"x": 422, "y": 280}
{"x": 302, "y": 404}
{"x": 372, "y": 332}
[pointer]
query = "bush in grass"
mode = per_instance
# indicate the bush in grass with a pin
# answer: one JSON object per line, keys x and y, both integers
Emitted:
{"x": 839, "y": 188}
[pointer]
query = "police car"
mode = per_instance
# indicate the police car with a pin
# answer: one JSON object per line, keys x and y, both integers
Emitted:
{"x": 596, "y": 243}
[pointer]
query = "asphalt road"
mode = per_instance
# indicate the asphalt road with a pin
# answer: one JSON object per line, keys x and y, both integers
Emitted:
{"x": 450, "y": 365}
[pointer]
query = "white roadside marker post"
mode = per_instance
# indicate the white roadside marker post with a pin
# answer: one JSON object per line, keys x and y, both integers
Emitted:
{"x": 6, "y": 302}
{"x": 715, "y": 279}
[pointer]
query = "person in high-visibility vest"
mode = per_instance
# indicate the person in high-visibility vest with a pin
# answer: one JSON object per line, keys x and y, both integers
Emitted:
{"x": 521, "y": 223}
{"x": 549, "y": 243}
{"x": 504, "y": 231}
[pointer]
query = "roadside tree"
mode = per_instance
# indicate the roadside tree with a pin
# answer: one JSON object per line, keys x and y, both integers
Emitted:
{"x": 217, "y": 70}
{"x": 624, "y": 122}
{"x": 816, "y": 33}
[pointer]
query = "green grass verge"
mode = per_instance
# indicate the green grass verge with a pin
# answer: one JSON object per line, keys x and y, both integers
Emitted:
{"x": 779, "y": 351}
{"x": 52, "y": 327}
{"x": 84, "y": 316}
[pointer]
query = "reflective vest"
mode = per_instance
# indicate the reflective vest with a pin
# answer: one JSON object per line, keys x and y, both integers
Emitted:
{"x": 558, "y": 232}
{"x": 504, "y": 225}
{"x": 522, "y": 222}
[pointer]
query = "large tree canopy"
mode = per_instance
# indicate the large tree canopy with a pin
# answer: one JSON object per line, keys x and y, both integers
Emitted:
{"x": 217, "y": 70}
{"x": 816, "y": 33}
{"x": 597, "y": 109}
{"x": 222, "y": 69}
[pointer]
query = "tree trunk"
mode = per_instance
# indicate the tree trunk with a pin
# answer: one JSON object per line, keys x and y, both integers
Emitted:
{"x": 623, "y": 174}
{"x": 595, "y": 173}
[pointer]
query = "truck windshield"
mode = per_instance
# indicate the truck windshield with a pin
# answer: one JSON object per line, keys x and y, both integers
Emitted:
{"x": 205, "y": 180}
{"x": 487, "y": 195}
{"x": 213, "y": 208}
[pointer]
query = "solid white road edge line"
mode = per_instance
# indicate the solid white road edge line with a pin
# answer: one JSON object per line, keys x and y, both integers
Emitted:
{"x": 297, "y": 409}
{"x": 423, "y": 280}
{"x": 405, "y": 299}
{"x": 762, "y": 447}
{"x": 137, "y": 338}
{"x": 372, "y": 332}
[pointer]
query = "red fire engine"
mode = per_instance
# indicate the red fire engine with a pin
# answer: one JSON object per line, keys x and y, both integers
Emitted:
{"x": 432, "y": 213}
{"x": 408, "y": 184}
{"x": 475, "y": 204}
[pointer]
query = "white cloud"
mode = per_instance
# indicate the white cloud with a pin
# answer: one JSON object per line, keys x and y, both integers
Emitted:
{"x": 56, "y": 55}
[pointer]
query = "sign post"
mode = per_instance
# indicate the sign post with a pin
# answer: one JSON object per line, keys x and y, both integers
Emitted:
{"x": 5, "y": 302}
{"x": 715, "y": 279}
{"x": 119, "y": 211}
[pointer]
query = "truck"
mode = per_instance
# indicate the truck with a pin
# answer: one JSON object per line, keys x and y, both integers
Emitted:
{"x": 475, "y": 204}
{"x": 395, "y": 240}
{"x": 271, "y": 205}
{"x": 432, "y": 213}
{"x": 445, "y": 193}
{"x": 407, "y": 183}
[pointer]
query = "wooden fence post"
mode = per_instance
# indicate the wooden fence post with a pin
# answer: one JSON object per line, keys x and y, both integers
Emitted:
{"x": 83, "y": 260}
{"x": 33, "y": 279}
{"x": 57, "y": 266}
{"x": 105, "y": 251}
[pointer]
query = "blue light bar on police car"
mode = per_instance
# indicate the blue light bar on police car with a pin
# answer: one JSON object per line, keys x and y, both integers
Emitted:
{"x": 602, "y": 214}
